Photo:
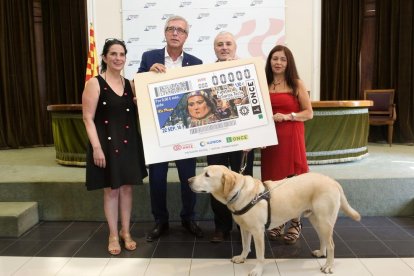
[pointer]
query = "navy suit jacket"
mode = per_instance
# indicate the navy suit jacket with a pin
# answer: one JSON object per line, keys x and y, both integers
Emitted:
{"x": 157, "y": 56}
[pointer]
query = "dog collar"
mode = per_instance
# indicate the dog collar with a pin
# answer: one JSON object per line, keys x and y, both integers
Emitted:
{"x": 263, "y": 195}
{"x": 236, "y": 195}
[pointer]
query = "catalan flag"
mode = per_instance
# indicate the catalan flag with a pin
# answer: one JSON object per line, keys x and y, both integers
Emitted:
{"x": 92, "y": 65}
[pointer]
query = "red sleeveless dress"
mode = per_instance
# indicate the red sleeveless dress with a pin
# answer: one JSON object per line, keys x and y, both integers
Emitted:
{"x": 289, "y": 155}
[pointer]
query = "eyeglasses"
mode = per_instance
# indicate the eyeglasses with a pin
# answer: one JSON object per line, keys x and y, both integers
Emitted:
{"x": 179, "y": 30}
{"x": 114, "y": 39}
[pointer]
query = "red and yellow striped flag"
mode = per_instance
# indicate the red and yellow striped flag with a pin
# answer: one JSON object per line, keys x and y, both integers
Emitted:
{"x": 92, "y": 64}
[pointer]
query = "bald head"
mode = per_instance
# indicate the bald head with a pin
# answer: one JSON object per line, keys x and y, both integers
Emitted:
{"x": 225, "y": 46}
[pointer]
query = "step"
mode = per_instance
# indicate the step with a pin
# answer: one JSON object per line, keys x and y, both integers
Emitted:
{"x": 17, "y": 217}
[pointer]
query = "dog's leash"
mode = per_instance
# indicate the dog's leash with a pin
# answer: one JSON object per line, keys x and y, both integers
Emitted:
{"x": 243, "y": 163}
{"x": 278, "y": 186}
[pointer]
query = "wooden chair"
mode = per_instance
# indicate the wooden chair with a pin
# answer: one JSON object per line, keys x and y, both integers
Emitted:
{"x": 383, "y": 110}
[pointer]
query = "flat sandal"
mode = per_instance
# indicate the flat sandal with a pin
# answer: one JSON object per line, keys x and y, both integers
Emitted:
{"x": 129, "y": 243}
{"x": 276, "y": 233}
{"x": 113, "y": 245}
{"x": 292, "y": 237}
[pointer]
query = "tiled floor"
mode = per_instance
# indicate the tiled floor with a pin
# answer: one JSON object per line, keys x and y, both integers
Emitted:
{"x": 374, "y": 246}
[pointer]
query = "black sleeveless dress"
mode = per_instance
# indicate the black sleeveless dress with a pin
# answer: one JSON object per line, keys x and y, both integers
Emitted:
{"x": 117, "y": 126}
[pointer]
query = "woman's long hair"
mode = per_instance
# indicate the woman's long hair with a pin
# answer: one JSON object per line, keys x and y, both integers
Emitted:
{"x": 291, "y": 73}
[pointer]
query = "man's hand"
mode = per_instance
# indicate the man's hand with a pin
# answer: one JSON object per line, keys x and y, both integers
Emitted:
{"x": 158, "y": 68}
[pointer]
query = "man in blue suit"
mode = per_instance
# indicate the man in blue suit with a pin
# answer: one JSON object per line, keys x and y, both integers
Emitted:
{"x": 159, "y": 60}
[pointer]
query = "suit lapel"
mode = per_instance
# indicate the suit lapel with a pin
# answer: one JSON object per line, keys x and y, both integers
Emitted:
{"x": 160, "y": 56}
{"x": 186, "y": 60}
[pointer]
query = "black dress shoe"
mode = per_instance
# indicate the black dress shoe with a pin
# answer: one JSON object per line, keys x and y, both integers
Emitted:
{"x": 157, "y": 231}
{"x": 193, "y": 228}
{"x": 219, "y": 236}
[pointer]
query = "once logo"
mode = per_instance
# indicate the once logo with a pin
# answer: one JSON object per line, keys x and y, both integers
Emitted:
{"x": 253, "y": 97}
{"x": 237, "y": 138}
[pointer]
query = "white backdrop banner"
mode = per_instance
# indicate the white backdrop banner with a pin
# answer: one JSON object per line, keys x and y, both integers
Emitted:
{"x": 257, "y": 25}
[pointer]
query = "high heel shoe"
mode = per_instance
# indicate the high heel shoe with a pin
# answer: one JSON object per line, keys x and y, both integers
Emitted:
{"x": 113, "y": 245}
{"x": 276, "y": 233}
{"x": 293, "y": 232}
{"x": 129, "y": 243}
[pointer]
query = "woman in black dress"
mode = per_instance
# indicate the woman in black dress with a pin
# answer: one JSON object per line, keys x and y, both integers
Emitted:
{"x": 115, "y": 159}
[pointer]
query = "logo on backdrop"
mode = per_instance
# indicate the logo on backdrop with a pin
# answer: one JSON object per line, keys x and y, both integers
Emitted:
{"x": 256, "y": 2}
{"x": 150, "y": 5}
{"x": 150, "y": 28}
{"x": 220, "y": 3}
{"x": 132, "y": 17}
{"x": 185, "y": 4}
{"x": 238, "y": 14}
{"x": 202, "y": 15}
{"x": 203, "y": 38}
{"x": 166, "y": 15}
{"x": 133, "y": 39}
{"x": 221, "y": 26}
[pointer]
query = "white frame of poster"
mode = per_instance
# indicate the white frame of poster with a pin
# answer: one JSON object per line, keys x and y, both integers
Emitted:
{"x": 169, "y": 133}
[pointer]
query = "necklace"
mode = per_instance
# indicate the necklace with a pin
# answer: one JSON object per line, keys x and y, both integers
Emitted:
{"x": 276, "y": 83}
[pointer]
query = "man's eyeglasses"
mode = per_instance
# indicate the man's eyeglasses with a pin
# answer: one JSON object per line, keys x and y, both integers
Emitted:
{"x": 179, "y": 30}
{"x": 114, "y": 39}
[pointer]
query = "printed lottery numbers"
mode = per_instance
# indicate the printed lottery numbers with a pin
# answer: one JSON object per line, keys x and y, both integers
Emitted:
{"x": 223, "y": 78}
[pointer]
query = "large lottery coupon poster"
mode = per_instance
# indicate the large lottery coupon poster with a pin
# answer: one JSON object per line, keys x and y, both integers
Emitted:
{"x": 204, "y": 109}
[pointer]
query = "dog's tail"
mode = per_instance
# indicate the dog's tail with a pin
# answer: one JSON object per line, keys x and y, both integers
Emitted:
{"x": 347, "y": 209}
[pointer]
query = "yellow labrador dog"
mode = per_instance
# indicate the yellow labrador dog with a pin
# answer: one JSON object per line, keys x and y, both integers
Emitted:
{"x": 312, "y": 195}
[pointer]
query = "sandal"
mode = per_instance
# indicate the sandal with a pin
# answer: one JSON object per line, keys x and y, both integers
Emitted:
{"x": 276, "y": 233}
{"x": 293, "y": 233}
{"x": 129, "y": 243}
{"x": 113, "y": 245}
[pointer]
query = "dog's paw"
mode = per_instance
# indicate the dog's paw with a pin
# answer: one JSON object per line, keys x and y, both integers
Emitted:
{"x": 256, "y": 272}
{"x": 238, "y": 259}
{"x": 318, "y": 253}
{"x": 327, "y": 269}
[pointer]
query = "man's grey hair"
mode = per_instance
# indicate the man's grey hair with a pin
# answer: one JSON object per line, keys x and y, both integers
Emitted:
{"x": 177, "y": 17}
{"x": 223, "y": 33}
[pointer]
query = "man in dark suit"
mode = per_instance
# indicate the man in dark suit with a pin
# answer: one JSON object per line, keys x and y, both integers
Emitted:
{"x": 159, "y": 60}
{"x": 225, "y": 49}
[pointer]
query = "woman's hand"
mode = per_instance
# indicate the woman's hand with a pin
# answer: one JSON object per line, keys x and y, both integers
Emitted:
{"x": 279, "y": 117}
{"x": 99, "y": 157}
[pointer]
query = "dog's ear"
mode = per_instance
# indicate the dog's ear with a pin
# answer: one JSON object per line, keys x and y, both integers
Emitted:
{"x": 228, "y": 181}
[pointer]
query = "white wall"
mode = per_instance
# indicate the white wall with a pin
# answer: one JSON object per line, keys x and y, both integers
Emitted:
{"x": 302, "y": 33}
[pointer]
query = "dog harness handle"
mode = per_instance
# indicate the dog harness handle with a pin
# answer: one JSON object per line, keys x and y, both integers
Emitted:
{"x": 264, "y": 195}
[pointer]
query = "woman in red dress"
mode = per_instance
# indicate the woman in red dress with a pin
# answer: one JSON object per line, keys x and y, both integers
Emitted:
{"x": 291, "y": 106}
